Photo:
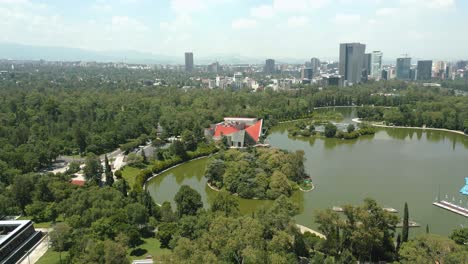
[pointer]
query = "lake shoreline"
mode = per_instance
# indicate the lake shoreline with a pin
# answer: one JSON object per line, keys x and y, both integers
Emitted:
{"x": 359, "y": 121}
{"x": 170, "y": 168}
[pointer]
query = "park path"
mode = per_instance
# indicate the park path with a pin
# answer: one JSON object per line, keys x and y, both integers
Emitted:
{"x": 39, "y": 250}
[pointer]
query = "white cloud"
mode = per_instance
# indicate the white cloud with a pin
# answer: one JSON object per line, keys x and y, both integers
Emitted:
{"x": 244, "y": 23}
{"x": 297, "y": 21}
{"x": 262, "y": 11}
{"x": 179, "y": 23}
{"x": 435, "y": 4}
{"x": 347, "y": 19}
{"x": 187, "y": 6}
{"x": 387, "y": 11}
{"x": 126, "y": 23}
{"x": 298, "y": 5}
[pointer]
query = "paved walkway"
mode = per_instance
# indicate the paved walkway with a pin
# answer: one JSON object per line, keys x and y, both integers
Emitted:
{"x": 306, "y": 229}
{"x": 39, "y": 250}
{"x": 358, "y": 120}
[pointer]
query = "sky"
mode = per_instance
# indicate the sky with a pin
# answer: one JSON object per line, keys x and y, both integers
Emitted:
{"x": 427, "y": 29}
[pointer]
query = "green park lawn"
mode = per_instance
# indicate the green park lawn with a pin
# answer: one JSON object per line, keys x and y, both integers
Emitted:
{"x": 151, "y": 246}
{"x": 129, "y": 174}
{"x": 52, "y": 257}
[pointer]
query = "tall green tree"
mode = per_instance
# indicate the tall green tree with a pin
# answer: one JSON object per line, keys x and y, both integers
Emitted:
{"x": 188, "y": 201}
{"x": 330, "y": 130}
{"x": 93, "y": 169}
{"x": 22, "y": 190}
{"x": 225, "y": 203}
{"x": 108, "y": 172}
{"x": 405, "y": 229}
{"x": 61, "y": 238}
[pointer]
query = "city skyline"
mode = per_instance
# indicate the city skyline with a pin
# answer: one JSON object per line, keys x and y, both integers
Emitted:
{"x": 268, "y": 29}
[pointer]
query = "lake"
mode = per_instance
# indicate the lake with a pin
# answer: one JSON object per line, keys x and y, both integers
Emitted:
{"x": 393, "y": 166}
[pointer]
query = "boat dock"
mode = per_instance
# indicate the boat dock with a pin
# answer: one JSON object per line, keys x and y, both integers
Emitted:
{"x": 452, "y": 207}
{"x": 410, "y": 224}
{"x": 387, "y": 209}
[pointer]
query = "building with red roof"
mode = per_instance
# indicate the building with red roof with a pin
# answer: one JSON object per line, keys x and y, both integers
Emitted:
{"x": 239, "y": 131}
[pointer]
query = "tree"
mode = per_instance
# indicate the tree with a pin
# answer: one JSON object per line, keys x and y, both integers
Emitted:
{"x": 108, "y": 172}
{"x": 460, "y": 236}
{"x": 225, "y": 203}
{"x": 405, "y": 229}
{"x": 21, "y": 190}
{"x": 136, "y": 214}
{"x": 427, "y": 228}
{"x": 80, "y": 139}
{"x": 398, "y": 243}
{"x": 60, "y": 238}
{"x": 330, "y": 130}
{"x": 165, "y": 233}
{"x": 189, "y": 140}
{"x": 143, "y": 156}
{"x": 93, "y": 168}
{"x": 135, "y": 160}
{"x": 214, "y": 172}
{"x": 188, "y": 201}
{"x": 167, "y": 215}
{"x": 432, "y": 249}
{"x": 122, "y": 186}
{"x": 177, "y": 148}
{"x": 350, "y": 128}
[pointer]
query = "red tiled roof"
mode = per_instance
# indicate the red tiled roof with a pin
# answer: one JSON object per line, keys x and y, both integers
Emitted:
{"x": 255, "y": 130}
{"x": 221, "y": 129}
{"x": 78, "y": 182}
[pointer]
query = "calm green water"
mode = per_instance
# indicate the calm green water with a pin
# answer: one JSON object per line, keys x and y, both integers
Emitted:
{"x": 394, "y": 166}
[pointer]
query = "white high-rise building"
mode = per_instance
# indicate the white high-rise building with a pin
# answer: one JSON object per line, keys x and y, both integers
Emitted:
{"x": 376, "y": 68}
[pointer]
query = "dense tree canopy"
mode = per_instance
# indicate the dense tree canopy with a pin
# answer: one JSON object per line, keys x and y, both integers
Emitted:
{"x": 260, "y": 173}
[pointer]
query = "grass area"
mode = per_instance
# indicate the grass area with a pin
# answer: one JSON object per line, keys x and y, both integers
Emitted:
{"x": 52, "y": 257}
{"x": 151, "y": 246}
{"x": 129, "y": 174}
{"x": 37, "y": 225}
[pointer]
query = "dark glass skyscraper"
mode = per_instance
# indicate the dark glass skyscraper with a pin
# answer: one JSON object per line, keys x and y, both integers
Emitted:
{"x": 403, "y": 69}
{"x": 188, "y": 61}
{"x": 269, "y": 66}
{"x": 351, "y": 61}
{"x": 424, "y": 70}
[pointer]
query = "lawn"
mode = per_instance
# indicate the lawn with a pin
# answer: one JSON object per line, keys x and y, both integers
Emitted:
{"x": 150, "y": 246}
{"x": 52, "y": 257}
{"x": 129, "y": 174}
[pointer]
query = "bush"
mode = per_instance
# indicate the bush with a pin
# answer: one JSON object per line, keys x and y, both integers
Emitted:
{"x": 351, "y": 135}
{"x": 330, "y": 130}
{"x": 366, "y": 131}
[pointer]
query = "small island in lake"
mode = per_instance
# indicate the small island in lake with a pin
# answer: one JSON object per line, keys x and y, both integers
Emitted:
{"x": 329, "y": 130}
{"x": 258, "y": 173}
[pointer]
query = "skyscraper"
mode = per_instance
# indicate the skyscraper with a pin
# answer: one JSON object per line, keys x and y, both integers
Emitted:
{"x": 403, "y": 69}
{"x": 307, "y": 73}
{"x": 351, "y": 62}
{"x": 376, "y": 70}
{"x": 424, "y": 70}
{"x": 315, "y": 65}
{"x": 367, "y": 63}
{"x": 188, "y": 61}
{"x": 270, "y": 66}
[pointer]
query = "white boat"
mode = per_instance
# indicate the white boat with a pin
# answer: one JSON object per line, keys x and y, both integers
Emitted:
{"x": 337, "y": 209}
{"x": 390, "y": 210}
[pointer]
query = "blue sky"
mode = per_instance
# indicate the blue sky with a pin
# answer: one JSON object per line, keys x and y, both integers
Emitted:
{"x": 433, "y": 29}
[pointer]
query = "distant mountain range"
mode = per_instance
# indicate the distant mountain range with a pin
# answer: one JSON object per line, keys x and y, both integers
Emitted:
{"x": 29, "y": 52}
